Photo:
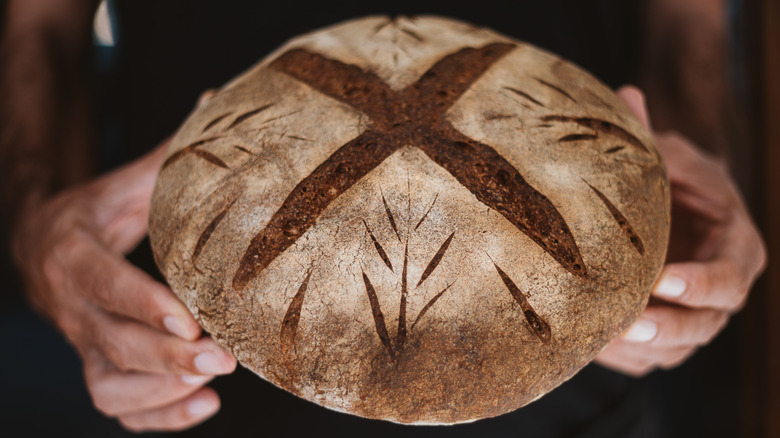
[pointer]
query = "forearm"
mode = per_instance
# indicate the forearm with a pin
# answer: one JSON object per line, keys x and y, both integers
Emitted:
{"x": 45, "y": 123}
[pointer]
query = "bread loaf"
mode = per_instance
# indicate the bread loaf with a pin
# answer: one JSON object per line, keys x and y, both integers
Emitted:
{"x": 412, "y": 219}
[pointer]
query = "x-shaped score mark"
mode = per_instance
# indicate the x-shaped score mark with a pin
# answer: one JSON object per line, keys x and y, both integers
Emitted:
{"x": 413, "y": 117}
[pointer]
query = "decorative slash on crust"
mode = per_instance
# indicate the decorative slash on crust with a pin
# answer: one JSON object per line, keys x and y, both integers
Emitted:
{"x": 193, "y": 149}
{"x": 379, "y": 318}
{"x": 291, "y": 318}
{"x": 430, "y": 303}
{"x": 247, "y": 115}
{"x": 206, "y": 234}
{"x": 538, "y": 325}
{"x": 436, "y": 259}
{"x": 378, "y": 246}
{"x": 621, "y": 220}
{"x": 396, "y": 347}
{"x": 214, "y": 122}
{"x": 600, "y": 126}
{"x": 390, "y": 217}
{"x": 556, "y": 88}
{"x": 422, "y": 219}
{"x": 524, "y": 95}
{"x": 400, "y": 338}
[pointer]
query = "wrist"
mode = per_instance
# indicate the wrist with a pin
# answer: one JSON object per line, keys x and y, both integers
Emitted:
{"x": 41, "y": 221}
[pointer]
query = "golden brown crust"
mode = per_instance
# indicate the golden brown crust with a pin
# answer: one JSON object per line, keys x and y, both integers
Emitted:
{"x": 429, "y": 239}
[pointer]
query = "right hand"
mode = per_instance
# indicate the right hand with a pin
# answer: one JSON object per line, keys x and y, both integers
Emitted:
{"x": 715, "y": 255}
{"x": 145, "y": 361}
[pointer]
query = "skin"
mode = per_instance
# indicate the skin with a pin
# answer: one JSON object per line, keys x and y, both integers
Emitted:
{"x": 715, "y": 255}
{"x": 137, "y": 340}
{"x": 145, "y": 360}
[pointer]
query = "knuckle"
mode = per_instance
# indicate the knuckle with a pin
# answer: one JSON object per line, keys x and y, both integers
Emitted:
{"x": 699, "y": 288}
{"x": 68, "y": 246}
{"x": 641, "y": 370}
{"x": 717, "y": 325}
{"x": 70, "y": 325}
{"x": 91, "y": 374}
{"x": 52, "y": 270}
{"x": 179, "y": 358}
{"x": 151, "y": 304}
{"x": 737, "y": 299}
{"x": 676, "y": 359}
{"x": 104, "y": 406}
{"x": 707, "y": 336}
{"x": 101, "y": 398}
{"x": 668, "y": 330}
{"x": 637, "y": 366}
{"x": 103, "y": 290}
{"x": 115, "y": 353}
{"x": 131, "y": 424}
{"x": 671, "y": 364}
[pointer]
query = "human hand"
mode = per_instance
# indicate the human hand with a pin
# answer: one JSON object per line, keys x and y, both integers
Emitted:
{"x": 144, "y": 359}
{"x": 715, "y": 254}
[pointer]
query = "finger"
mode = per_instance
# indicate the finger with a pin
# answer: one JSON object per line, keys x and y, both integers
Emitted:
{"x": 638, "y": 361}
{"x": 119, "y": 393}
{"x": 205, "y": 97}
{"x": 692, "y": 168}
{"x": 670, "y": 327}
{"x": 132, "y": 346}
{"x": 115, "y": 285}
{"x": 177, "y": 416}
{"x": 732, "y": 253}
{"x": 635, "y": 101}
{"x": 123, "y": 198}
{"x": 721, "y": 284}
{"x": 125, "y": 195}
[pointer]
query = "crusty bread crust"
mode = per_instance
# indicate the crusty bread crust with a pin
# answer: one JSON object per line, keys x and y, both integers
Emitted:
{"x": 412, "y": 219}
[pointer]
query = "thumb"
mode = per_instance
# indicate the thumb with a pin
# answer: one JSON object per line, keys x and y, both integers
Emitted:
{"x": 121, "y": 204}
{"x": 635, "y": 101}
{"x": 124, "y": 196}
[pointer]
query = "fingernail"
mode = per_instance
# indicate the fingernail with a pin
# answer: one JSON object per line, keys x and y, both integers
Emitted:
{"x": 210, "y": 363}
{"x": 202, "y": 406}
{"x": 643, "y": 330}
{"x": 175, "y": 326}
{"x": 670, "y": 287}
{"x": 195, "y": 380}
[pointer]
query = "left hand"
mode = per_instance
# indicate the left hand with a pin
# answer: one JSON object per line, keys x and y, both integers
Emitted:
{"x": 715, "y": 254}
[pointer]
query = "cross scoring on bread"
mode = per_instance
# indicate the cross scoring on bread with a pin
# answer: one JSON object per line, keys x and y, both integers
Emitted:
{"x": 414, "y": 116}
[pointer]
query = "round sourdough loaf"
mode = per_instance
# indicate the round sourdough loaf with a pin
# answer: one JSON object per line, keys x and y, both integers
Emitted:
{"x": 412, "y": 219}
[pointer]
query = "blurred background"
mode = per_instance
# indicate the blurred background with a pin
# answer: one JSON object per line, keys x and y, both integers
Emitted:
{"x": 710, "y": 69}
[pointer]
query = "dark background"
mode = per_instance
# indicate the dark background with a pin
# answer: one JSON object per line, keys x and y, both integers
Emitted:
{"x": 170, "y": 51}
